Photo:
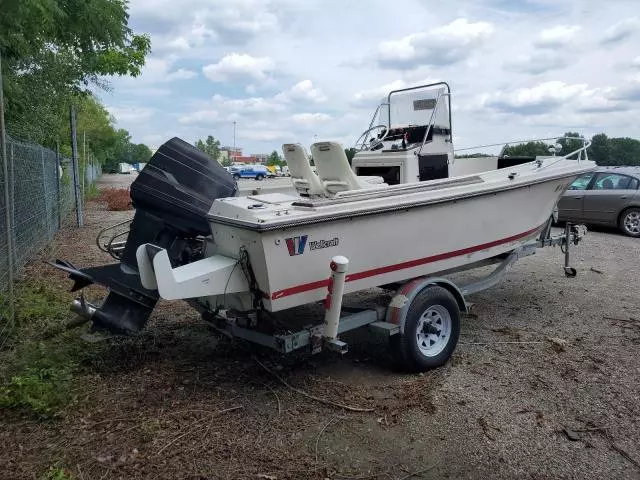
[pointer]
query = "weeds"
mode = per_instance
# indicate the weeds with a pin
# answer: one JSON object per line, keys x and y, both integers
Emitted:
{"x": 36, "y": 369}
{"x": 92, "y": 192}
{"x": 57, "y": 473}
{"x": 117, "y": 199}
{"x": 41, "y": 391}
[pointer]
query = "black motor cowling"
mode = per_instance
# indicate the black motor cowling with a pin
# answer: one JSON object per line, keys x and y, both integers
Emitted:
{"x": 179, "y": 184}
{"x": 172, "y": 196}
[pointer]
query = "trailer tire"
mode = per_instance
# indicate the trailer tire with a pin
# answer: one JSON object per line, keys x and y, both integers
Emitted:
{"x": 431, "y": 330}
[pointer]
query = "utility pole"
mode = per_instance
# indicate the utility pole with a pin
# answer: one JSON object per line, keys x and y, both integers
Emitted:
{"x": 7, "y": 200}
{"x": 234, "y": 140}
{"x": 76, "y": 173}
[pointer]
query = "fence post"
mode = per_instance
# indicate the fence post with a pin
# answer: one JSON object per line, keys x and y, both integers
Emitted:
{"x": 12, "y": 202}
{"x": 7, "y": 200}
{"x": 58, "y": 178}
{"x": 45, "y": 195}
{"x": 76, "y": 173}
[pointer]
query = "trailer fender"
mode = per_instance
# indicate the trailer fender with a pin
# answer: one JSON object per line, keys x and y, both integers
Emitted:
{"x": 399, "y": 305}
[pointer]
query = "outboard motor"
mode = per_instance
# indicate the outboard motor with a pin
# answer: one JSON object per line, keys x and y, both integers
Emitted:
{"x": 172, "y": 196}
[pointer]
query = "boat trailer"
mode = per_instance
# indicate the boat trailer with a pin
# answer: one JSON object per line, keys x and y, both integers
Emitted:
{"x": 436, "y": 334}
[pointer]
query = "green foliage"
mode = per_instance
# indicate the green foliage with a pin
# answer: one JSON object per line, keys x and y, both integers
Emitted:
{"x": 57, "y": 473}
{"x": 527, "y": 149}
{"x": 350, "y": 152}
{"x": 41, "y": 356}
{"x": 275, "y": 159}
{"x": 37, "y": 305}
{"x": 91, "y": 192}
{"x": 614, "y": 151}
{"x": 140, "y": 153}
{"x": 52, "y": 51}
{"x": 623, "y": 151}
{"x": 473, "y": 155}
{"x": 211, "y": 146}
{"x": 570, "y": 145}
{"x": 39, "y": 390}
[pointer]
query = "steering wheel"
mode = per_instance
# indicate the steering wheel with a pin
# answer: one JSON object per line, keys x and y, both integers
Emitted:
{"x": 361, "y": 143}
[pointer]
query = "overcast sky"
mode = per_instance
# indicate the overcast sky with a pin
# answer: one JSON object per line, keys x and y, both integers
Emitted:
{"x": 287, "y": 70}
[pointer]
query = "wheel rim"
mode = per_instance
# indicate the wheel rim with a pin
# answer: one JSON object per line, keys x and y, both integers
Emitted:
{"x": 632, "y": 222}
{"x": 434, "y": 330}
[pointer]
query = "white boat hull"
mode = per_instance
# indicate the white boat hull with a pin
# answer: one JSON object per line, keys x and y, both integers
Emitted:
{"x": 291, "y": 264}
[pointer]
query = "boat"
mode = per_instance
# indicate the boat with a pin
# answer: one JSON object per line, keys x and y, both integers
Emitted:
{"x": 404, "y": 215}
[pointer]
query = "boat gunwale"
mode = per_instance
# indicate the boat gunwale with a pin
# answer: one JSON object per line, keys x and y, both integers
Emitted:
{"x": 283, "y": 224}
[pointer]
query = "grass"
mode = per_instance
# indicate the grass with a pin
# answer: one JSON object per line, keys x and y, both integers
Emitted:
{"x": 117, "y": 199}
{"x": 57, "y": 473}
{"x": 91, "y": 192}
{"x": 37, "y": 366}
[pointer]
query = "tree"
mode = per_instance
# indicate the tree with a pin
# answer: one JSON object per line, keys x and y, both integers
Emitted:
{"x": 624, "y": 151}
{"x": 350, "y": 152}
{"x": 140, "y": 153}
{"x": 473, "y": 155}
{"x": 210, "y": 146}
{"x": 570, "y": 145}
{"x": 529, "y": 149}
{"x": 275, "y": 159}
{"x": 53, "y": 50}
{"x": 599, "y": 149}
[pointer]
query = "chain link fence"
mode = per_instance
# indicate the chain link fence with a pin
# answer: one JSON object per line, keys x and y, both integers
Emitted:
{"x": 40, "y": 197}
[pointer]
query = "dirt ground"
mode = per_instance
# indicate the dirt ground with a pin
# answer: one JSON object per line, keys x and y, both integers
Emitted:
{"x": 182, "y": 402}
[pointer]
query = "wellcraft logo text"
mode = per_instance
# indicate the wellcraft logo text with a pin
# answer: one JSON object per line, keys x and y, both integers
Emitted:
{"x": 323, "y": 244}
{"x": 296, "y": 245}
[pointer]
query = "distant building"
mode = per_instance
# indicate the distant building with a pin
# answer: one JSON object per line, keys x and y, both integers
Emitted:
{"x": 229, "y": 152}
{"x": 245, "y": 160}
{"x": 261, "y": 157}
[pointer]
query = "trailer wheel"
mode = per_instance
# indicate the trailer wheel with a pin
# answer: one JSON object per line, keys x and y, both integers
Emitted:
{"x": 431, "y": 330}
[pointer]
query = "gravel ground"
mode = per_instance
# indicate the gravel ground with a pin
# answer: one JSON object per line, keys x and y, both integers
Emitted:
{"x": 179, "y": 401}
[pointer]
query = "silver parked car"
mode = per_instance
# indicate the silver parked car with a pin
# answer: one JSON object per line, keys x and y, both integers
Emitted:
{"x": 608, "y": 196}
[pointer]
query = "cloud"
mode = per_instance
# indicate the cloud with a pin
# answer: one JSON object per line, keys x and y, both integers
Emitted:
{"x": 130, "y": 114}
{"x": 239, "y": 66}
{"x": 159, "y": 70}
{"x": 440, "y": 46}
{"x": 222, "y": 109}
{"x": 267, "y": 135}
{"x": 310, "y": 118}
{"x": 239, "y": 21}
{"x": 557, "y": 37}
{"x": 550, "y": 96}
{"x": 230, "y": 22}
{"x": 537, "y": 62}
{"x": 372, "y": 97}
{"x": 303, "y": 91}
{"x": 629, "y": 91}
{"x": 178, "y": 43}
{"x": 620, "y": 31}
{"x": 493, "y": 50}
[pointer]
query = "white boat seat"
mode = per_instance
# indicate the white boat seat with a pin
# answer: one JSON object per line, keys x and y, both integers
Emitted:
{"x": 304, "y": 179}
{"x": 335, "y": 172}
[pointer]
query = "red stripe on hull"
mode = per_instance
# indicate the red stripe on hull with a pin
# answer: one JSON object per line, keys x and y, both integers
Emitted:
{"x": 401, "y": 266}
